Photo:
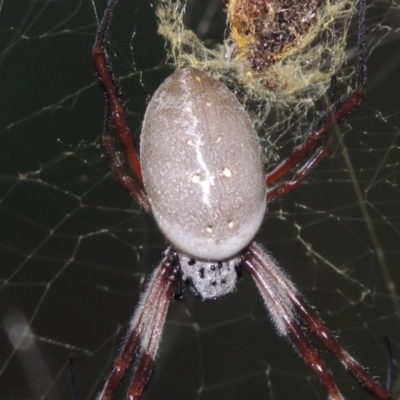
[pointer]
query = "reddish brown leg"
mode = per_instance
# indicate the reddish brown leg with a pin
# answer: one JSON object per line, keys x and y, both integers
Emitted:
{"x": 145, "y": 330}
{"x": 298, "y": 178}
{"x": 335, "y": 115}
{"x": 285, "y": 319}
{"x": 110, "y": 86}
{"x": 118, "y": 169}
{"x": 289, "y": 310}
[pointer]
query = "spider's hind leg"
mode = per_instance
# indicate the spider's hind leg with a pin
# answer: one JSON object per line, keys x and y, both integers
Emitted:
{"x": 290, "y": 311}
{"x": 145, "y": 330}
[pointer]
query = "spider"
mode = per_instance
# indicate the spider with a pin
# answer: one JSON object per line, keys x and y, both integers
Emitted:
{"x": 201, "y": 176}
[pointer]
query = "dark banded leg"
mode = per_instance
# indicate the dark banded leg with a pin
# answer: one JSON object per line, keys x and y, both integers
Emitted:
{"x": 145, "y": 330}
{"x": 127, "y": 182}
{"x": 110, "y": 85}
{"x": 289, "y": 311}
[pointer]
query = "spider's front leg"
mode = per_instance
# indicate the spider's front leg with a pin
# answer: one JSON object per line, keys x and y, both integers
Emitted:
{"x": 114, "y": 112}
{"x": 145, "y": 330}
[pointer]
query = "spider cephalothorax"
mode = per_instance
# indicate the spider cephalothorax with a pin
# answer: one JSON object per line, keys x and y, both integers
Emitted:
{"x": 201, "y": 176}
{"x": 209, "y": 279}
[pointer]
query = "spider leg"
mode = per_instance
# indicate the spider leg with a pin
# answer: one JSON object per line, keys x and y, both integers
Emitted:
{"x": 117, "y": 167}
{"x": 288, "y": 309}
{"x": 110, "y": 86}
{"x": 284, "y": 317}
{"x": 145, "y": 330}
{"x": 335, "y": 115}
{"x": 299, "y": 176}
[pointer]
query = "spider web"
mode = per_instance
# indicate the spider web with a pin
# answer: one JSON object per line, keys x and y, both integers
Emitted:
{"x": 76, "y": 250}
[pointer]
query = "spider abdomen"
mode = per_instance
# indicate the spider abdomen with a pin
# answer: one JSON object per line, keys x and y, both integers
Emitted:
{"x": 202, "y": 167}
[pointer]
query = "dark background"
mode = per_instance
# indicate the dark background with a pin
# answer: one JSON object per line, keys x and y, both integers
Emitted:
{"x": 75, "y": 249}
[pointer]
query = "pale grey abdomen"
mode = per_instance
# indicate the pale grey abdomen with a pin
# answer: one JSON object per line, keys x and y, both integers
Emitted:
{"x": 202, "y": 167}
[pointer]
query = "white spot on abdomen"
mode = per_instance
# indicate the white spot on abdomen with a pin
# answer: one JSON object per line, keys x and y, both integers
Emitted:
{"x": 227, "y": 172}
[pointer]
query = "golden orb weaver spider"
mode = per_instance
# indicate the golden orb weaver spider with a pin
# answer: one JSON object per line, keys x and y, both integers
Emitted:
{"x": 201, "y": 176}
